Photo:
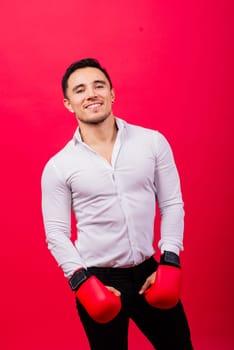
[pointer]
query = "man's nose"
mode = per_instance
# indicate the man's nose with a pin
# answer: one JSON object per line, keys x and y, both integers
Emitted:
{"x": 91, "y": 92}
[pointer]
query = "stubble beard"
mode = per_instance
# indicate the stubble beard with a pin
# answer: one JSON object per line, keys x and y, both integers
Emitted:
{"x": 98, "y": 121}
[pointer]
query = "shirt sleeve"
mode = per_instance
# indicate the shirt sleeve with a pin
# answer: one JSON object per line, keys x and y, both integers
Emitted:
{"x": 56, "y": 211}
{"x": 169, "y": 198}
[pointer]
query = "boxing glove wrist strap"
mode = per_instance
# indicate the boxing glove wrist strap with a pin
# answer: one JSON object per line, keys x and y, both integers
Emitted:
{"x": 170, "y": 258}
{"x": 78, "y": 278}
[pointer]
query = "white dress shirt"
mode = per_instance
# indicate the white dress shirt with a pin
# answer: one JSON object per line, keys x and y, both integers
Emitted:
{"x": 114, "y": 204}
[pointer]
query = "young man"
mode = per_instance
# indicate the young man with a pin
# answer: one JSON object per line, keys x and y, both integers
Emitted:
{"x": 111, "y": 174}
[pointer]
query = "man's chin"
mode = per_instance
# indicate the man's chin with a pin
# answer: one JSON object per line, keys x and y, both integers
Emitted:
{"x": 94, "y": 120}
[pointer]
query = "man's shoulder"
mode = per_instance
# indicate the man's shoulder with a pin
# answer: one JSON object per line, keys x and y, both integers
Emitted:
{"x": 145, "y": 137}
{"x": 140, "y": 130}
{"x": 63, "y": 152}
{"x": 61, "y": 157}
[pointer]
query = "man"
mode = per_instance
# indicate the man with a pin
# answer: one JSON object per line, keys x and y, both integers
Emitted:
{"x": 111, "y": 174}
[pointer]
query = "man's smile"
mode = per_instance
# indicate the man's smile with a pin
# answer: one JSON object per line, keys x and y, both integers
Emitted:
{"x": 93, "y": 105}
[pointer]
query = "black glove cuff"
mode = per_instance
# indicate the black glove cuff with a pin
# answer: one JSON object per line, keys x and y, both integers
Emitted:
{"x": 170, "y": 258}
{"x": 78, "y": 277}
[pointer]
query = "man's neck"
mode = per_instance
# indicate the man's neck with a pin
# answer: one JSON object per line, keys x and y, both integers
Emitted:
{"x": 103, "y": 133}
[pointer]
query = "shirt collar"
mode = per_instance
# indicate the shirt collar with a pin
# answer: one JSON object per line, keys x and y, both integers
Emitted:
{"x": 121, "y": 125}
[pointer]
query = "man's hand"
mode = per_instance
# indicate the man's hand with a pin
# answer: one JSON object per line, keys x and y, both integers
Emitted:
{"x": 162, "y": 290}
{"x": 102, "y": 302}
{"x": 114, "y": 291}
{"x": 149, "y": 281}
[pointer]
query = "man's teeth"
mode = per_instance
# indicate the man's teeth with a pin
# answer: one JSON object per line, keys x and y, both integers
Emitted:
{"x": 95, "y": 105}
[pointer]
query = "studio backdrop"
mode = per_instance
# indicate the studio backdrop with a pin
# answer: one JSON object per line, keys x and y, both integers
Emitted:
{"x": 171, "y": 63}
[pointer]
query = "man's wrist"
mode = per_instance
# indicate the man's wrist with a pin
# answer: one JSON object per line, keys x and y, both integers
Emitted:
{"x": 78, "y": 278}
{"x": 170, "y": 258}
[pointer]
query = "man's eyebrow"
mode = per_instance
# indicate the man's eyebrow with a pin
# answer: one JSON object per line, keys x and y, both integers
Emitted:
{"x": 98, "y": 81}
{"x": 76, "y": 87}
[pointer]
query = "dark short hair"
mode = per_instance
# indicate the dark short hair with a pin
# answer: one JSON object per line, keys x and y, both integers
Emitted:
{"x": 85, "y": 62}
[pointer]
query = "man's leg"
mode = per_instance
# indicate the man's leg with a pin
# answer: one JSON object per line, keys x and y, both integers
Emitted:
{"x": 112, "y": 335}
{"x": 165, "y": 329}
{"x": 109, "y": 336}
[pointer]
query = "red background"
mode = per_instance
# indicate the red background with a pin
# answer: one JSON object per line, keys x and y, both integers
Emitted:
{"x": 172, "y": 67}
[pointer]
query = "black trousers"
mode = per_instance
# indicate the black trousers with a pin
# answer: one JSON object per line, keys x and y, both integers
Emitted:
{"x": 165, "y": 329}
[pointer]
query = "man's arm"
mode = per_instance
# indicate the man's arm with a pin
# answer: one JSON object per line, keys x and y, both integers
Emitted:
{"x": 162, "y": 289}
{"x": 56, "y": 210}
{"x": 169, "y": 199}
{"x": 102, "y": 303}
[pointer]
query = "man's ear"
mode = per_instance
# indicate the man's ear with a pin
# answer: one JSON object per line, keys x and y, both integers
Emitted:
{"x": 113, "y": 95}
{"x": 67, "y": 104}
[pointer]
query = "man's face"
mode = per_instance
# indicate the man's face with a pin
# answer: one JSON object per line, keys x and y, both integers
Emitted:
{"x": 89, "y": 95}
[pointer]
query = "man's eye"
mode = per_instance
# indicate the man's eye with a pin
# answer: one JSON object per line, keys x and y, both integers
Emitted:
{"x": 99, "y": 86}
{"x": 79, "y": 91}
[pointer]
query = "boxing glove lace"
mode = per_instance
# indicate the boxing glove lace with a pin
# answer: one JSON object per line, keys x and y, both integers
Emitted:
{"x": 164, "y": 293}
{"x": 100, "y": 303}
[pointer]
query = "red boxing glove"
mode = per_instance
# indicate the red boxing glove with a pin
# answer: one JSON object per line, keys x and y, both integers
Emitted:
{"x": 165, "y": 291}
{"x": 100, "y": 303}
